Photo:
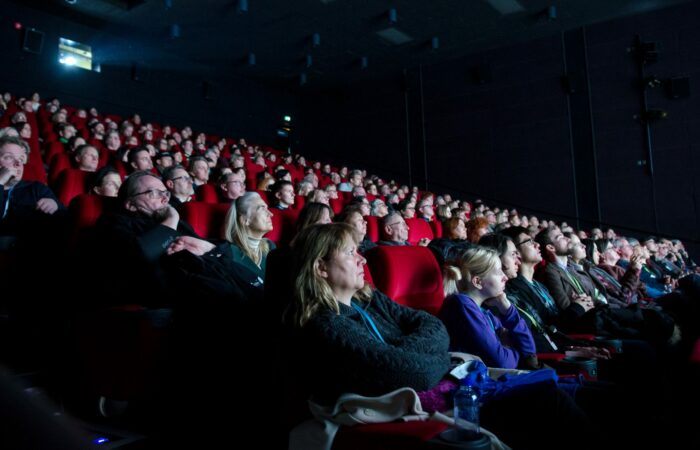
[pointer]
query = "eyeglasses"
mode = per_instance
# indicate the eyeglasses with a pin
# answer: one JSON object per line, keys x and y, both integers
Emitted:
{"x": 184, "y": 177}
{"x": 154, "y": 193}
{"x": 527, "y": 242}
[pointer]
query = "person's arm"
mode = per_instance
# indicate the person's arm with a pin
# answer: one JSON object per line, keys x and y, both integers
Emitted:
{"x": 354, "y": 361}
{"x": 552, "y": 279}
{"x": 518, "y": 334}
{"x": 47, "y": 201}
{"x": 472, "y": 331}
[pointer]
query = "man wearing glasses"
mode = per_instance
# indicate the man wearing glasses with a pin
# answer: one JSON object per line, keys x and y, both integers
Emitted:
{"x": 179, "y": 183}
{"x": 136, "y": 238}
{"x": 232, "y": 185}
{"x": 526, "y": 288}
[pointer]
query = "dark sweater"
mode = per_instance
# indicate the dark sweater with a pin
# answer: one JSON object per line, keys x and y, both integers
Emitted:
{"x": 344, "y": 356}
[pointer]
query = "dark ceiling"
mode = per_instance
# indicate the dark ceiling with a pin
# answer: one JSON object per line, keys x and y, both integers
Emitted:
{"x": 215, "y": 37}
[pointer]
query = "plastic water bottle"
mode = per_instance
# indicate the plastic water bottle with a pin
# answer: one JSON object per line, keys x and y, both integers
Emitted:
{"x": 466, "y": 411}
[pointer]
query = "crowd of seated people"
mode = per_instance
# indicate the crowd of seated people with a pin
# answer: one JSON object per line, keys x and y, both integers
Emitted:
{"x": 516, "y": 284}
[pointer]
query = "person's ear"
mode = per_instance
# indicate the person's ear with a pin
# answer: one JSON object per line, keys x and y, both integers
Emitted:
{"x": 130, "y": 206}
{"x": 476, "y": 282}
{"x": 550, "y": 248}
{"x": 320, "y": 268}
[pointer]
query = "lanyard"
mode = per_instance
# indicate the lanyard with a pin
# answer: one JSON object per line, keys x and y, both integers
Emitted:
{"x": 574, "y": 281}
{"x": 369, "y": 323}
{"x": 8, "y": 194}
{"x": 544, "y": 295}
{"x": 537, "y": 326}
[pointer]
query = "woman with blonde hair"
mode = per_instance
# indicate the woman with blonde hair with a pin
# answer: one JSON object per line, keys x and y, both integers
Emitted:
{"x": 352, "y": 339}
{"x": 473, "y": 283}
{"x": 355, "y": 338}
{"x": 247, "y": 221}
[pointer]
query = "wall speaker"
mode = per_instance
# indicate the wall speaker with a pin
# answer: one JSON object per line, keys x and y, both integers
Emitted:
{"x": 33, "y": 41}
{"x": 678, "y": 87}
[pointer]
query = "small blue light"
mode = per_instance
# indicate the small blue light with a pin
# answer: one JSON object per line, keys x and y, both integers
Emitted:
{"x": 101, "y": 440}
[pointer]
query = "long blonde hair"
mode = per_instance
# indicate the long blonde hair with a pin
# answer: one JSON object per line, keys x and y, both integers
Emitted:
{"x": 474, "y": 262}
{"x": 313, "y": 294}
{"x": 236, "y": 229}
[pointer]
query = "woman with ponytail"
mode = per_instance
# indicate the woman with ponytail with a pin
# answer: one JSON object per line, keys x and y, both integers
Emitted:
{"x": 474, "y": 283}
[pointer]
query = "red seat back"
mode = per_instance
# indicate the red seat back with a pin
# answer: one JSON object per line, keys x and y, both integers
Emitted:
{"x": 207, "y": 219}
{"x": 436, "y": 225}
{"x": 71, "y": 183}
{"x": 207, "y": 193}
{"x": 283, "y": 226}
{"x": 417, "y": 230}
{"x": 373, "y": 225}
{"x": 410, "y": 276}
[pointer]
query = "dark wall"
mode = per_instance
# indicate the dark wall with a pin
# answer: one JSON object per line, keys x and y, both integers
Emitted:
{"x": 506, "y": 126}
{"x": 237, "y": 107}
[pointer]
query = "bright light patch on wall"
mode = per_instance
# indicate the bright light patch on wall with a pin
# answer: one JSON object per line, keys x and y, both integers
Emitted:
{"x": 506, "y": 6}
{"x": 75, "y": 54}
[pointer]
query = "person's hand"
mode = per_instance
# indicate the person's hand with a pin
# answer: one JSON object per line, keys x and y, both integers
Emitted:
{"x": 589, "y": 352}
{"x": 499, "y": 302}
{"x": 636, "y": 262}
{"x": 5, "y": 175}
{"x": 47, "y": 205}
{"x": 424, "y": 242}
{"x": 584, "y": 300}
{"x": 191, "y": 244}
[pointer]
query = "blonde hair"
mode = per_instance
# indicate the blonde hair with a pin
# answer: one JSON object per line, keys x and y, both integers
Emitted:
{"x": 473, "y": 262}
{"x": 312, "y": 293}
{"x": 236, "y": 229}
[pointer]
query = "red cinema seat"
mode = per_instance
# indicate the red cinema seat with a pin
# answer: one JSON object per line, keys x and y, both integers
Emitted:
{"x": 207, "y": 193}
{"x": 283, "y": 226}
{"x": 207, "y": 219}
{"x": 436, "y": 225}
{"x": 71, "y": 183}
{"x": 409, "y": 275}
{"x": 337, "y": 204}
{"x": 417, "y": 230}
{"x": 373, "y": 225}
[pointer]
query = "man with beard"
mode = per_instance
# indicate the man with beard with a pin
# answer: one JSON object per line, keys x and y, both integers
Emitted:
{"x": 135, "y": 239}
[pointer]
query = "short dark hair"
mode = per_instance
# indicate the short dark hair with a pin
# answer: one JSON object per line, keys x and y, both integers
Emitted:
{"x": 496, "y": 241}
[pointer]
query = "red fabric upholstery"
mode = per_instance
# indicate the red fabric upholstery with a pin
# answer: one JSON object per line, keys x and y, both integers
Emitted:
{"x": 283, "y": 226}
{"x": 84, "y": 210}
{"x": 395, "y": 435}
{"x": 695, "y": 354}
{"x": 337, "y": 204}
{"x": 207, "y": 193}
{"x": 418, "y": 229}
{"x": 120, "y": 350}
{"x": 409, "y": 275}
{"x": 373, "y": 225}
{"x": 207, "y": 219}
{"x": 71, "y": 183}
{"x": 436, "y": 225}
